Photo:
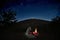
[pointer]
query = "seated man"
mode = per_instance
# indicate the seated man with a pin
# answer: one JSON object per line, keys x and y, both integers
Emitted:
{"x": 31, "y": 34}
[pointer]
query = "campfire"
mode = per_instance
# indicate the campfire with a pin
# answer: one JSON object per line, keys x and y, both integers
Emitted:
{"x": 35, "y": 32}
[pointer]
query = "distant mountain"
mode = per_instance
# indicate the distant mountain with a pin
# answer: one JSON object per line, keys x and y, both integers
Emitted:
{"x": 40, "y": 24}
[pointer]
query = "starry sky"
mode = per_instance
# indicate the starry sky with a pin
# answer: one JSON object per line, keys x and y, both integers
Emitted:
{"x": 38, "y": 9}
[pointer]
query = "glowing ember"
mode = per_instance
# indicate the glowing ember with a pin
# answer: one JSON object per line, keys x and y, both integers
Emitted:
{"x": 35, "y": 32}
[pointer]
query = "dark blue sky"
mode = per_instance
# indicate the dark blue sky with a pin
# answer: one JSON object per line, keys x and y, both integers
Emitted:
{"x": 36, "y": 9}
{"x": 45, "y": 12}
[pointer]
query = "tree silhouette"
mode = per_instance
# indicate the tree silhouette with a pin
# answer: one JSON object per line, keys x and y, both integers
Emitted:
{"x": 54, "y": 28}
{"x": 57, "y": 18}
{"x": 7, "y": 18}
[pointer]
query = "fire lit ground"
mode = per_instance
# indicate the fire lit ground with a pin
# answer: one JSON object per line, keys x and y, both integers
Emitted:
{"x": 17, "y": 32}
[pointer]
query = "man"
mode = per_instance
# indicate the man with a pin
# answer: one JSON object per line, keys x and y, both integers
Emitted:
{"x": 30, "y": 34}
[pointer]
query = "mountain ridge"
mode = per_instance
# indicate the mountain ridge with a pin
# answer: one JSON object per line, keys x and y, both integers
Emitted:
{"x": 40, "y": 24}
{"x": 34, "y": 19}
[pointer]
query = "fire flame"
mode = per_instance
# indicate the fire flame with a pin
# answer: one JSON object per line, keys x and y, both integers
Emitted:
{"x": 35, "y": 32}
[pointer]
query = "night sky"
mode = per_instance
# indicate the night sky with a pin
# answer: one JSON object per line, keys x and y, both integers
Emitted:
{"x": 38, "y": 9}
